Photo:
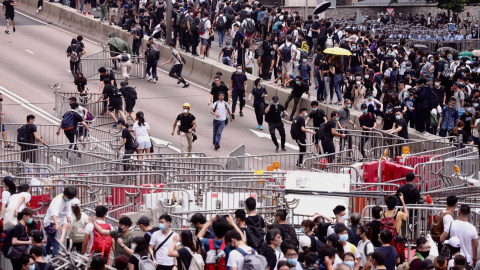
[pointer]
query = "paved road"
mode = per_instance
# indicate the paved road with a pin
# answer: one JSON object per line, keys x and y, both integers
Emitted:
{"x": 34, "y": 57}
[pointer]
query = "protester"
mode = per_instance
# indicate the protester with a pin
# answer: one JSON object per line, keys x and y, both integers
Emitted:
{"x": 273, "y": 117}
{"x": 186, "y": 129}
{"x": 141, "y": 130}
{"x": 179, "y": 61}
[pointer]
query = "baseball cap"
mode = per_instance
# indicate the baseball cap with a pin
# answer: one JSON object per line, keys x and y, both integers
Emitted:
{"x": 427, "y": 264}
{"x": 75, "y": 201}
{"x": 123, "y": 83}
{"x": 453, "y": 242}
{"x": 389, "y": 106}
{"x": 151, "y": 38}
{"x": 7, "y": 179}
{"x": 275, "y": 98}
{"x": 333, "y": 238}
{"x": 38, "y": 236}
{"x": 229, "y": 43}
{"x": 143, "y": 220}
{"x": 364, "y": 106}
{"x": 304, "y": 241}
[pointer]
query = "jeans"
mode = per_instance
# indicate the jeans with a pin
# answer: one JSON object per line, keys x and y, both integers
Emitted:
{"x": 218, "y": 126}
{"x": 53, "y": 244}
{"x": 153, "y": 67}
{"x": 281, "y": 131}
{"x": 104, "y": 12}
{"x": 296, "y": 100}
{"x": 328, "y": 148}
{"x": 235, "y": 96}
{"x": 74, "y": 68}
{"x": 314, "y": 46}
{"x": 221, "y": 34}
{"x": 227, "y": 61}
{"x": 337, "y": 83}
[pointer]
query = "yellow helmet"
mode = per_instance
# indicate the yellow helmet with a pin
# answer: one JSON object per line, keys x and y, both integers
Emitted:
{"x": 186, "y": 105}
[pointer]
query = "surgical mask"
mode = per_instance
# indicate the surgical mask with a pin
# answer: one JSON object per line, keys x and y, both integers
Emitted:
{"x": 365, "y": 111}
{"x": 292, "y": 261}
{"x": 304, "y": 60}
{"x": 349, "y": 263}
{"x": 289, "y": 16}
{"x": 457, "y": 62}
{"x": 133, "y": 246}
{"x": 191, "y": 14}
{"x": 31, "y": 267}
{"x": 302, "y": 230}
{"x": 343, "y": 237}
{"x": 437, "y": 84}
{"x": 389, "y": 110}
{"x": 398, "y": 117}
{"x": 305, "y": 114}
{"x": 276, "y": 104}
{"x": 314, "y": 109}
{"x": 431, "y": 61}
{"x": 367, "y": 76}
{"x": 406, "y": 95}
{"x": 475, "y": 105}
{"x": 389, "y": 54}
{"x": 469, "y": 109}
{"x": 369, "y": 98}
{"x": 449, "y": 58}
{"x": 67, "y": 199}
{"x": 337, "y": 119}
{"x": 298, "y": 82}
{"x": 275, "y": 46}
{"x": 364, "y": 55}
{"x": 406, "y": 59}
{"x": 354, "y": 48}
{"x": 369, "y": 60}
{"x": 185, "y": 111}
{"x": 407, "y": 68}
{"x": 344, "y": 217}
{"x": 463, "y": 68}
{"x": 30, "y": 221}
{"x": 358, "y": 82}
{"x": 228, "y": 46}
{"x": 162, "y": 226}
{"x": 317, "y": 20}
{"x": 239, "y": 71}
{"x": 261, "y": 83}
{"x": 349, "y": 106}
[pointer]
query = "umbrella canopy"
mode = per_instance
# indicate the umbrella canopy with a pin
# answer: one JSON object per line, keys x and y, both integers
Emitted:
{"x": 444, "y": 49}
{"x": 420, "y": 46}
{"x": 322, "y": 7}
{"x": 476, "y": 53}
{"x": 337, "y": 51}
{"x": 466, "y": 53}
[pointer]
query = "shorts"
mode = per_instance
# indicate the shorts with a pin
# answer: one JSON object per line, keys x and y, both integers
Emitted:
{"x": 249, "y": 36}
{"x": 286, "y": 67}
{"x": 2, "y": 128}
{"x": 115, "y": 105}
{"x": 9, "y": 15}
{"x": 112, "y": 11}
{"x": 129, "y": 104}
{"x": 144, "y": 145}
{"x": 87, "y": 1}
{"x": 205, "y": 41}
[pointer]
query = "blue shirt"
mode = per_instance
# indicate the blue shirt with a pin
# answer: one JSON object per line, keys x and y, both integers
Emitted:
{"x": 449, "y": 118}
{"x": 227, "y": 250}
{"x": 409, "y": 103}
{"x": 305, "y": 71}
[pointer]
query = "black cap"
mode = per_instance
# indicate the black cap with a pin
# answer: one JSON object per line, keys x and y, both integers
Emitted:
{"x": 121, "y": 121}
{"x": 364, "y": 106}
{"x": 389, "y": 106}
{"x": 143, "y": 220}
{"x": 38, "y": 236}
{"x": 427, "y": 264}
{"x": 7, "y": 179}
{"x": 123, "y": 83}
{"x": 333, "y": 238}
{"x": 275, "y": 98}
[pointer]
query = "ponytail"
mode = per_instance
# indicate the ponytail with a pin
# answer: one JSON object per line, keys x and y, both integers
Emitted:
{"x": 140, "y": 118}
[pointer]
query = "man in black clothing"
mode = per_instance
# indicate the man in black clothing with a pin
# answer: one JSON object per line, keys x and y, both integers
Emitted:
{"x": 267, "y": 60}
{"x": 198, "y": 221}
{"x": 238, "y": 85}
{"x": 144, "y": 225}
{"x": 330, "y": 132}
{"x": 176, "y": 29}
{"x": 105, "y": 73}
{"x": 30, "y": 136}
{"x": 367, "y": 122}
{"x": 70, "y": 127}
{"x": 130, "y": 95}
{"x": 375, "y": 224}
{"x": 302, "y": 136}
{"x": 315, "y": 28}
{"x": 298, "y": 89}
{"x": 9, "y": 13}
{"x": 401, "y": 128}
{"x": 113, "y": 94}
{"x": 319, "y": 117}
{"x": 274, "y": 120}
{"x": 411, "y": 195}
{"x": 218, "y": 87}
{"x": 74, "y": 51}
{"x": 127, "y": 140}
{"x": 253, "y": 218}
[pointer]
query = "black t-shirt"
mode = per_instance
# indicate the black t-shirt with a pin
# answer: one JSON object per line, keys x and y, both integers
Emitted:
{"x": 219, "y": 89}
{"x": 159, "y": 12}
{"x": 75, "y": 48}
{"x": 8, "y": 7}
{"x": 110, "y": 74}
{"x": 239, "y": 81}
{"x": 315, "y": 26}
{"x": 299, "y": 89}
{"x": 148, "y": 235}
{"x": 440, "y": 92}
{"x": 186, "y": 122}
{"x": 367, "y": 120}
{"x": 388, "y": 120}
{"x": 77, "y": 118}
{"x": 255, "y": 221}
{"x": 317, "y": 117}
{"x": 467, "y": 119}
{"x": 127, "y": 135}
{"x": 328, "y": 130}
{"x": 404, "y": 132}
{"x": 300, "y": 124}
{"x": 375, "y": 226}
{"x": 270, "y": 256}
{"x": 411, "y": 195}
{"x": 20, "y": 232}
{"x": 107, "y": 90}
{"x": 462, "y": 137}
{"x": 174, "y": 17}
{"x": 81, "y": 85}
{"x": 30, "y": 129}
{"x": 185, "y": 256}
{"x": 227, "y": 52}
{"x": 275, "y": 112}
{"x": 43, "y": 266}
{"x": 355, "y": 58}
{"x": 257, "y": 95}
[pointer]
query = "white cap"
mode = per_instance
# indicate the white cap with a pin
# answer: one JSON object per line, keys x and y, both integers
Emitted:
{"x": 304, "y": 241}
{"x": 75, "y": 201}
{"x": 453, "y": 242}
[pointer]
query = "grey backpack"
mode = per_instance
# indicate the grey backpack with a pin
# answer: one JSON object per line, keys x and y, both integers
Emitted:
{"x": 253, "y": 261}
{"x": 144, "y": 263}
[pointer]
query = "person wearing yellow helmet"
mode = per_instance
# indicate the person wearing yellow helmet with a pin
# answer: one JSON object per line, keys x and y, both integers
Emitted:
{"x": 186, "y": 128}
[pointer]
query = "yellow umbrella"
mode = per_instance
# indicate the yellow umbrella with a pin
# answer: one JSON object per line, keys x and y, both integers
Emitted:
{"x": 337, "y": 51}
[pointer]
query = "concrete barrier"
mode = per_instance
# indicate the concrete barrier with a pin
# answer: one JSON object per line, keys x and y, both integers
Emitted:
{"x": 43, "y": 14}
{"x": 92, "y": 27}
{"x": 22, "y": 5}
{"x": 226, "y": 71}
{"x": 32, "y": 7}
{"x": 54, "y": 12}
{"x": 72, "y": 20}
{"x": 202, "y": 71}
{"x": 188, "y": 67}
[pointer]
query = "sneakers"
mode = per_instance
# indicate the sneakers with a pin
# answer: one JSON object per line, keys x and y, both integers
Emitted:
{"x": 217, "y": 146}
{"x": 14, "y": 29}
{"x": 155, "y": 80}
{"x": 283, "y": 148}
{"x": 260, "y": 127}
{"x": 179, "y": 81}
{"x": 38, "y": 9}
{"x": 214, "y": 142}
{"x": 220, "y": 45}
{"x": 276, "y": 148}
{"x": 149, "y": 78}
{"x": 85, "y": 13}
{"x": 7, "y": 32}
{"x": 186, "y": 85}
{"x": 233, "y": 116}
{"x": 110, "y": 23}
{"x": 241, "y": 114}
{"x": 89, "y": 13}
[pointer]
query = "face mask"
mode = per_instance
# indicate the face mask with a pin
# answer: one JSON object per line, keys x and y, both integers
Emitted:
{"x": 191, "y": 14}
{"x": 314, "y": 109}
{"x": 349, "y": 263}
{"x": 67, "y": 200}
{"x": 475, "y": 105}
{"x": 302, "y": 230}
{"x": 261, "y": 83}
{"x": 239, "y": 71}
{"x": 406, "y": 59}
{"x": 367, "y": 76}
{"x": 337, "y": 119}
{"x": 292, "y": 261}
{"x": 358, "y": 82}
{"x": 469, "y": 109}
{"x": 449, "y": 58}
{"x": 304, "y": 60}
{"x": 34, "y": 122}
{"x": 349, "y": 106}
{"x": 389, "y": 54}
{"x": 30, "y": 221}
{"x": 276, "y": 104}
{"x": 297, "y": 82}
{"x": 365, "y": 111}
{"x": 463, "y": 68}
{"x": 398, "y": 117}
{"x": 133, "y": 246}
{"x": 343, "y": 237}
{"x": 437, "y": 84}
{"x": 31, "y": 267}
{"x": 305, "y": 114}
{"x": 424, "y": 253}
{"x": 389, "y": 110}
{"x": 275, "y": 46}
{"x": 431, "y": 61}
{"x": 370, "y": 98}
{"x": 463, "y": 74}
{"x": 457, "y": 62}
{"x": 317, "y": 20}
{"x": 369, "y": 60}
{"x": 289, "y": 16}
{"x": 354, "y": 48}
{"x": 406, "y": 95}
{"x": 364, "y": 55}
{"x": 408, "y": 68}
{"x": 162, "y": 226}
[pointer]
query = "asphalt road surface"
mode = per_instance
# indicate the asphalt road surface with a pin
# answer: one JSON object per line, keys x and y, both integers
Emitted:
{"x": 35, "y": 56}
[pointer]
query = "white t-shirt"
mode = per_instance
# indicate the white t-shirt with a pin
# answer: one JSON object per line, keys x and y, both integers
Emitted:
{"x": 361, "y": 249}
{"x": 221, "y": 110}
{"x": 6, "y": 196}
{"x": 15, "y": 198}
{"x": 141, "y": 132}
{"x": 348, "y": 249}
{"x": 89, "y": 230}
{"x": 208, "y": 25}
{"x": 447, "y": 219}
{"x": 248, "y": 55}
{"x": 244, "y": 23}
{"x": 161, "y": 256}
{"x": 466, "y": 232}
{"x": 293, "y": 49}
{"x": 235, "y": 258}
{"x": 59, "y": 208}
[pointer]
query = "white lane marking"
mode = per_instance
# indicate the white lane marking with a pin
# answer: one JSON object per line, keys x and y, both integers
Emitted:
{"x": 29, "y": 51}
{"x": 265, "y": 135}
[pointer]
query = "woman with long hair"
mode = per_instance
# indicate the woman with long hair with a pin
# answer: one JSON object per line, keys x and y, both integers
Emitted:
{"x": 259, "y": 93}
{"x": 462, "y": 136}
{"x": 141, "y": 129}
{"x": 140, "y": 249}
{"x": 9, "y": 188}
{"x": 16, "y": 204}
{"x": 77, "y": 215}
{"x": 185, "y": 254}
{"x": 365, "y": 245}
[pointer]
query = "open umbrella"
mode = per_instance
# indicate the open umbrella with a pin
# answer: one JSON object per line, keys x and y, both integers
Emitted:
{"x": 444, "y": 49}
{"x": 337, "y": 51}
{"x": 476, "y": 53}
{"x": 466, "y": 53}
{"x": 322, "y": 7}
{"x": 420, "y": 46}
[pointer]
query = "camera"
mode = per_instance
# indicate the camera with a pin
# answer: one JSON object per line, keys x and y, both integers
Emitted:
{"x": 222, "y": 215}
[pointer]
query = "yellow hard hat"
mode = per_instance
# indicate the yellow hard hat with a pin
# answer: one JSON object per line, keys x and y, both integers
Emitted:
{"x": 186, "y": 105}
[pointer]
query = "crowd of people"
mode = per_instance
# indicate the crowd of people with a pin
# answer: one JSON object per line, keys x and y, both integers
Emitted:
{"x": 239, "y": 240}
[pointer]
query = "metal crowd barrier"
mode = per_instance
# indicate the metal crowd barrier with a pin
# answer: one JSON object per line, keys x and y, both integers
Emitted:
{"x": 433, "y": 46}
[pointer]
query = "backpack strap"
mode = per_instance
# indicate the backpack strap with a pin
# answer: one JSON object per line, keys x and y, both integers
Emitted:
{"x": 211, "y": 244}
{"x": 223, "y": 245}
{"x": 161, "y": 244}
{"x": 371, "y": 116}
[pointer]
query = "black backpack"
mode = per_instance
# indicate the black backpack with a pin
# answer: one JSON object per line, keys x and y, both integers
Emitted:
{"x": 322, "y": 134}
{"x": 7, "y": 242}
{"x": 249, "y": 28}
{"x": 22, "y": 134}
{"x": 115, "y": 91}
{"x": 253, "y": 239}
{"x": 432, "y": 99}
{"x": 194, "y": 26}
{"x": 322, "y": 229}
{"x": 287, "y": 53}
{"x": 131, "y": 92}
{"x": 295, "y": 129}
{"x": 221, "y": 22}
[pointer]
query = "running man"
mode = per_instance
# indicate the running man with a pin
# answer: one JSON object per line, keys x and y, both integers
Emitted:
{"x": 176, "y": 71}
{"x": 9, "y": 13}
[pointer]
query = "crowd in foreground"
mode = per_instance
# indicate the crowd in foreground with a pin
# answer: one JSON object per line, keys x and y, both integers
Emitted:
{"x": 243, "y": 239}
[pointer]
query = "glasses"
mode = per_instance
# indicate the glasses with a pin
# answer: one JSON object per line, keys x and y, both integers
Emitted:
{"x": 291, "y": 255}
